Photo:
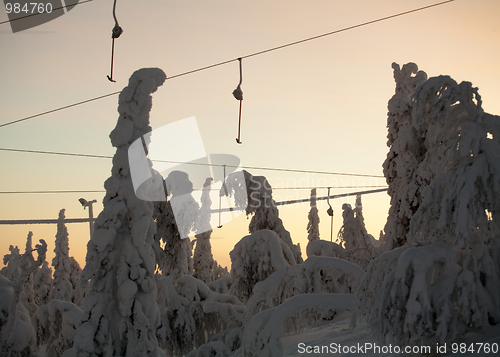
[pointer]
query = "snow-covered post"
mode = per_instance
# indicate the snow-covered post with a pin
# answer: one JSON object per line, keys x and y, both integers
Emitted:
{"x": 120, "y": 309}
{"x": 89, "y": 204}
{"x": 61, "y": 288}
{"x": 313, "y": 224}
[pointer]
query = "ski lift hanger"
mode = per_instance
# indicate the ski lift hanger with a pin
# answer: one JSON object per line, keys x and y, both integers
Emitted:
{"x": 115, "y": 33}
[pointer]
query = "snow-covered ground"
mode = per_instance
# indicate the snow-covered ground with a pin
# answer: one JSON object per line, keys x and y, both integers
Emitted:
{"x": 339, "y": 335}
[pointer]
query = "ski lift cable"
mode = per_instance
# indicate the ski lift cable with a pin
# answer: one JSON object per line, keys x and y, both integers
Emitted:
{"x": 196, "y": 189}
{"x": 285, "y": 203}
{"x": 196, "y": 163}
{"x": 41, "y": 13}
{"x": 52, "y": 191}
{"x": 242, "y": 57}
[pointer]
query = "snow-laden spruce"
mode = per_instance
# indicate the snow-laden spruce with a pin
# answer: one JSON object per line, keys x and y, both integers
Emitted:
{"x": 62, "y": 285}
{"x": 313, "y": 217}
{"x": 404, "y": 156}
{"x": 359, "y": 246}
{"x": 17, "y": 337}
{"x": 265, "y": 213}
{"x": 191, "y": 314}
{"x": 55, "y": 326}
{"x": 446, "y": 284}
{"x": 42, "y": 283}
{"x": 254, "y": 258}
{"x": 27, "y": 293}
{"x": 174, "y": 255}
{"x": 121, "y": 314}
{"x": 203, "y": 260}
{"x": 313, "y": 276}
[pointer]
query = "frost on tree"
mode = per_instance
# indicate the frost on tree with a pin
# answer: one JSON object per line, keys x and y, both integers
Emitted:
{"x": 173, "y": 254}
{"x": 359, "y": 246}
{"x": 265, "y": 213}
{"x": 17, "y": 337}
{"x": 203, "y": 261}
{"x": 55, "y": 326}
{"x": 313, "y": 276}
{"x": 313, "y": 223}
{"x": 446, "y": 284}
{"x": 324, "y": 248}
{"x": 404, "y": 156}
{"x": 42, "y": 284}
{"x": 27, "y": 293}
{"x": 191, "y": 314}
{"x": 74, "y": 278}
{"x": 62, "y": 289}
{"x": 120, "y": 310}
{"x": 254, "y": 258}
{"x": 11, "y": 261}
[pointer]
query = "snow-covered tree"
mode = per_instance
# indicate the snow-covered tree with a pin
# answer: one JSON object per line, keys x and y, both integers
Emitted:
{"x": 55, "y": 326}
{"x": 404, "y": 156}
{"x": 42, "y": 284}
{"x": 192, "y": 314}
{"x": 203, "y": 261}
{"x": 17, "y": 337}
{"x": 324, "y": 248}
{"x": 74, "y": 278}
{"x": 173, "y": 254}
{"x": 121, "y": 314}
{"x": 313, "y": 224}
{"x": 265, "y": 213}
{"x": 11, "y": 261}
{"x": 62, "y": 289}
{"x": 27, "y": 293}
{"x": 446, "y": 284}
{"x": 254, "y": 258}
{"x": 358, "y": 244}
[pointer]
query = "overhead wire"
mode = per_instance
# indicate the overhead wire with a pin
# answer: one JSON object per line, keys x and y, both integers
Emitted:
{"x": 199, "y": 189}
{"x": 247, "y": 56}
{"x": 196, "y": 163}
{"x": 52, "y": 191}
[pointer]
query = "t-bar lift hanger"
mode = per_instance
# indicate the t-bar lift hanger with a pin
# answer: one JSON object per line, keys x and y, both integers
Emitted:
{"x": 116, "y": 32}
{"x": 238, "y": 94}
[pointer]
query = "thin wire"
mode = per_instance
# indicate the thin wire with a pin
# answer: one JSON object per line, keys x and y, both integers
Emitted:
{"x": 319, "y": 188}
{"x": 197, "y": 189}
{"x": 41, "y": 13}
{"x": 61, "y": 108}
{"x": 52, "y": 191}
{"x": 195, "y": 163}
{"x": 247, "y": 56}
